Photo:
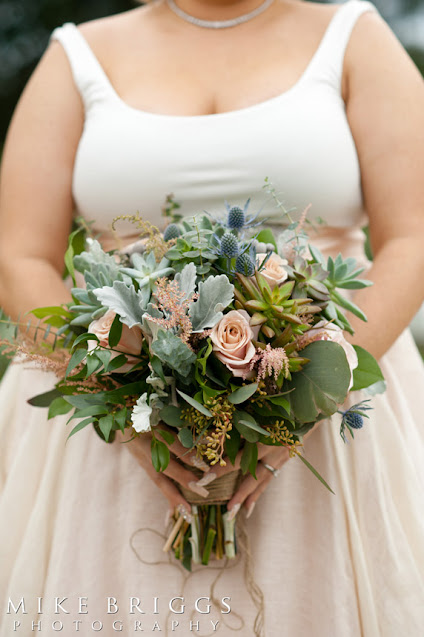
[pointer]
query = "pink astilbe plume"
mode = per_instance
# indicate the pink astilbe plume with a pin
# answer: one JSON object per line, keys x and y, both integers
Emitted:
{"x": 270, "y": 362}
{"x": 170, "y": 300}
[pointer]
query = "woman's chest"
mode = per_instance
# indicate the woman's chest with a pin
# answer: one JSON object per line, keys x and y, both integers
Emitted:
{"x": 130, "y": 160}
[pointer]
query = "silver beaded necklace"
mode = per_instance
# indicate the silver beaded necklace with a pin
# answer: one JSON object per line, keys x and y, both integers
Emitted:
{"x": 219, "y": 24}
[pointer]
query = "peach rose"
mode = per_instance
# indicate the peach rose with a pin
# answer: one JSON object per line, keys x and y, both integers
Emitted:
{"x": 232, "y": 342}
{"x": 273, "y": 270}
{"x": 325, "y": 331}
{"x": 130, "y": 342}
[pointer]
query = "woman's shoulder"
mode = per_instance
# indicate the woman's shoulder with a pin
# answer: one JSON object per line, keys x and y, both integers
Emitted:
{"x": 110, "y": 29}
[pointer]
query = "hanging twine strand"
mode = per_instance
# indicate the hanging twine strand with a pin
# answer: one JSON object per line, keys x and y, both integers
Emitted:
{"x": 244, "y": 552}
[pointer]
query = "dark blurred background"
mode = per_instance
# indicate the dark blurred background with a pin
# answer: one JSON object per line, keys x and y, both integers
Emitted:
{"x": 25, "y": 27}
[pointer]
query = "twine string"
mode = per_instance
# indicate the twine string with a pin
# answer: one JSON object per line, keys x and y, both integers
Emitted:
{"x": 252, "y": 587}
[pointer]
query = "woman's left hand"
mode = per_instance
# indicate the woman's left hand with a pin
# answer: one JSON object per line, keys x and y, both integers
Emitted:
{"x": 250, "y": 489}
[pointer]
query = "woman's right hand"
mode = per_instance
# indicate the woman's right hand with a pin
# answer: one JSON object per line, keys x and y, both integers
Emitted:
{"x": 175, "y": 471}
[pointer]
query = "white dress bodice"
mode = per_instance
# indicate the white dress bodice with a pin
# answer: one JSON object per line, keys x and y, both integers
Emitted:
{"x": 128, "y": 160}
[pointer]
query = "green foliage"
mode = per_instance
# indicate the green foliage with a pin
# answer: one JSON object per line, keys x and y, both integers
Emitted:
{"x": 196, "y": 246}
{"x": 173, "y": 352}
{"x": 242, "y": 394}
{"x": 125, "y": 301}
{"x": 368, "y": 371}
{"x": 215, "y": 294}
{"x": 146, "y": 270}
{"x": 322, "y": 384}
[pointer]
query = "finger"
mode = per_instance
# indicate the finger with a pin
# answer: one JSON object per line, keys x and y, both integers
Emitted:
{"x": 168, "y": 488}
{"x": 185, "y": 477}
{"x": 248, "y": 486}
{"x": 276, "y": 457}
{"x": 251, "y": 499}
{"x": 140, "y": 449}
{"x": 220, "y": 470}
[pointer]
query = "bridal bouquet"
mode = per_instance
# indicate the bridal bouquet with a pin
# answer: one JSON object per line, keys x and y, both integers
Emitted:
{"x": 216, "y": 333}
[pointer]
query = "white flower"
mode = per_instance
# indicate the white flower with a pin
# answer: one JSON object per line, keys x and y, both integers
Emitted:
{"x": 140, "y": 414}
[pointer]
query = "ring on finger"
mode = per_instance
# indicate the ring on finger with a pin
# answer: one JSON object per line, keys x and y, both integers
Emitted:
{"x": 273, "y": 470}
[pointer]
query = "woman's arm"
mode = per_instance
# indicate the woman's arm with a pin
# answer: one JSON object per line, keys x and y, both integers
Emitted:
{"x": 385, "y": 109}
{"x": 35, "y": 187}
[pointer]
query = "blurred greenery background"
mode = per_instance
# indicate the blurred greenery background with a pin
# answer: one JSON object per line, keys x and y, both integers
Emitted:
{"x": 25, "y": 27}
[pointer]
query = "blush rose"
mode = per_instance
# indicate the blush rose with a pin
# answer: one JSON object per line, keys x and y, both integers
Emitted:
{"x": 273, "y": 271}
{"x": 130, "y": 342}
{"x": 232, "y": 342}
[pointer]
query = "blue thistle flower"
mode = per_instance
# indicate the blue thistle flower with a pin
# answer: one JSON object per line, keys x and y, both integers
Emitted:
{"x": 171, "y": 232}
{"x": 245, "y": 265}
{"x": 353, "y": 418}
{"x": 229, "y": 245}
{"x": 236, "y": 218}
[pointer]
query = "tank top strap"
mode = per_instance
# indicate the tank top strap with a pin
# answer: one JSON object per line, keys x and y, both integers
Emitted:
{"x": 329, "y": 58}
{"x": 89, "y": 76}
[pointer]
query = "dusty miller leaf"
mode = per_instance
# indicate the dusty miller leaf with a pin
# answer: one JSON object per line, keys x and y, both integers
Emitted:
{"x": 173, "y": 352}
{"x": 125, "y": 301}
{"x": 215, "y": 294}
{"x": 187, "y": 280}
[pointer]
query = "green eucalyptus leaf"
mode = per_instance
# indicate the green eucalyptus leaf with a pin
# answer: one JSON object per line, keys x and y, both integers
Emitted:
{"x": 80, "y": 426}
{"x": 315, "y": 472}
{"x": 267, "y": 236}
{"x": 155, "y": 455}
{"x": 171, "y": 415}
{"x": 76, "y": 358}
{"x": 243, "y": 393}
{"x": 232, "y": 445}
{"x": 121, "y": 418}
{"x": 115, "y": 332}
{"x": 367, "y": 372}
{"x": 194, "y": 403}
{"x": 163, "y": 455}
{"x": 186, "y": 437}
{"x": 249, "y": 458}
{"x": 58, "y": 407}
{"x": 45, "y": 399}
{"x": 248, "y": 431}
{"x": 166, "y": 435}
{"x": 322, "y": 384}
{"x": 105, "y": 426}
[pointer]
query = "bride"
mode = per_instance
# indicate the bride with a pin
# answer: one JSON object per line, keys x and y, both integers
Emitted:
{"x": 120, "y": 112}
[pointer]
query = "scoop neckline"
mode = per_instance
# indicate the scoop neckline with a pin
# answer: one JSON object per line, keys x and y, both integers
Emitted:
{"x": 224, "y": 114}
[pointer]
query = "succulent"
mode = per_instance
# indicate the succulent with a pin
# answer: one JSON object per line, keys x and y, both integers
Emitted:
{"x": 279, "y": 316}
{"x": 343, "y": 274}
{"x": 171, "y": 232}
{"x": 229, "y": 245}
{"x": 236, "y": 218}
{"x": 100, "y": 270}
{"x": 146, "y": 269}
{"x": 309, "y": 278}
